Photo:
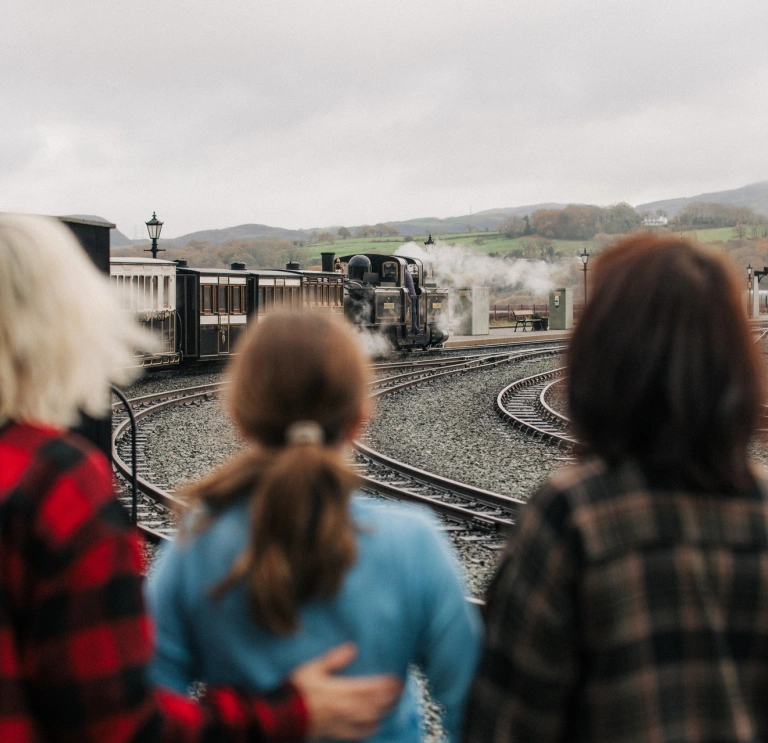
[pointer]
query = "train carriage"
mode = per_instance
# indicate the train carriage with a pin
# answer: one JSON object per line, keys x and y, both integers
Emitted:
{"x": 146, "y": 287}
{"x": 213, "y": 310}
{"x": 216, "y": 306}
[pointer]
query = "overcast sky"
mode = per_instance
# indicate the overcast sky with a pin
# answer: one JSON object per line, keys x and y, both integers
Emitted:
{"x": 304, "y": 113}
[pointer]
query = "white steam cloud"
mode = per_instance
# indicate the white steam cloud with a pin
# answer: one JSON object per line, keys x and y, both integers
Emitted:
{"x": 373, "y": 345}
{"x": 457, "y": 266}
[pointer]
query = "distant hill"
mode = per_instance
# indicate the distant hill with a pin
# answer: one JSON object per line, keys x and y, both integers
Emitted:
{"x": 754, "y": 196}
{"x": 241, "y": 232}
{"x": 489, "y": 219}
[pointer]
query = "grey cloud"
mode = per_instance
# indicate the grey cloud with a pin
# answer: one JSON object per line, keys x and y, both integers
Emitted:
{"x": 301, "y": 113}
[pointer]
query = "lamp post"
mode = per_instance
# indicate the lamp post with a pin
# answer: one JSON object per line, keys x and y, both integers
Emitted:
{"x": 154, "y": 226}
{"x": 749, "y": 292}
{"x": 428, "y": 243}
{"x": 585, "y": 259}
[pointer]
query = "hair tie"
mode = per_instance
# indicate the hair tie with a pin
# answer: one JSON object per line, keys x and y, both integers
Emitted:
{"x": 304, "y": 432}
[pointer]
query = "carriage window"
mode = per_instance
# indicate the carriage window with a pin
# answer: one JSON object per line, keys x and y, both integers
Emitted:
{"x": 260, "y": 299}
{"x": 155, "y": 297}
{"x": 269, "y": 297}
{"x": 222, "y": 303}
{"x": 166, "y": 292}
{"x": 237, "y": 300}
{"x": 312, "y": 294}
{"x": 278, "y": 296}
{"x": 389, "y": 271}
{"x": 207, "y": 301}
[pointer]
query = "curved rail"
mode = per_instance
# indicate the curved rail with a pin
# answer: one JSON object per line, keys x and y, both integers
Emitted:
{"x": 520, "y": 404}
{"x": 142, "y": 409}
{"x": 492, "y": 511}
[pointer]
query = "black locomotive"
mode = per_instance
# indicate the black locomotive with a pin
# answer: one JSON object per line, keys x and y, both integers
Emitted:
{"x": 391, "y": 295}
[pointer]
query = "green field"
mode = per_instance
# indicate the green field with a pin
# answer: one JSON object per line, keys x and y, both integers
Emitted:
{"x": 493, "y": 242}
{"x": 716, "y": 234}
{"x": 481, "y": 242}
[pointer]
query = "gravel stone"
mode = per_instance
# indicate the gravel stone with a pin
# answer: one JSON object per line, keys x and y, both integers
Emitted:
{"x": 448, "y": 426}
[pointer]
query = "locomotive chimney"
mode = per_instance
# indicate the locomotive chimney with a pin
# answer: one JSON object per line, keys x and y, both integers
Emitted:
{"x": 327, "y": 259}
{"x": 293, "y": 266}
{"x": 237, "y": 266}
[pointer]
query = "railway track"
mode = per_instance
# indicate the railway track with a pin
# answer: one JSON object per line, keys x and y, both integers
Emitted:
{"x": 488, "y": 514}
{"x": 523, "y": 404}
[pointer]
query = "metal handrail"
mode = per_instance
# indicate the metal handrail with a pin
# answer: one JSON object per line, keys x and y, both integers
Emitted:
{"x": 134, "y": 487}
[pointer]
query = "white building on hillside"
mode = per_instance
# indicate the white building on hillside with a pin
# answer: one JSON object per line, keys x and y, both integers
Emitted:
{"x": 655, "y": 222}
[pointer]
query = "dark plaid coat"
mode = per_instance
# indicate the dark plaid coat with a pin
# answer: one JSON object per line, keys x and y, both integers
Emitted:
{"x": 74, "y": 636}
{"x": 628, "y": 611}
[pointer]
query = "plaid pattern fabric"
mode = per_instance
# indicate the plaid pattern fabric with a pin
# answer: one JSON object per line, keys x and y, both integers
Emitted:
{"x": 74, "y": 636}
{"x": 627, "y": 612}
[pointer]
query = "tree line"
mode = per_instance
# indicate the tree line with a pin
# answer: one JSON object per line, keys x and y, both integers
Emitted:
{"x": 701, "y": 215}
{"x": 257, "y": 253}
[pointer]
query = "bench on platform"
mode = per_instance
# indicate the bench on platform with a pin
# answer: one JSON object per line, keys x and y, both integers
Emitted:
{"x": 521, "y": 317}
{"x": 526, "y": 319}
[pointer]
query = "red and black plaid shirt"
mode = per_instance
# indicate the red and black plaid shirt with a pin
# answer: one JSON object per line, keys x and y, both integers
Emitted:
{"x": 75, "y": 638}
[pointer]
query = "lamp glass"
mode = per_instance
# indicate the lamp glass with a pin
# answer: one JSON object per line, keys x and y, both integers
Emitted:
{"x": 154, "y": 227}
{"x": 584, "y": 257}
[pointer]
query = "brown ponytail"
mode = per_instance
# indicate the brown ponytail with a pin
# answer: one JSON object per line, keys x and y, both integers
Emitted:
{"x": 297, "y": 369}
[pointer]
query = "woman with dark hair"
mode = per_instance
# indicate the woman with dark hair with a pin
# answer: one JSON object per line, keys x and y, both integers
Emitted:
{"x": 632, "y": 603}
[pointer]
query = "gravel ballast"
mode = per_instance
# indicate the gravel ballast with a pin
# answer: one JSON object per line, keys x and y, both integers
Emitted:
{"x": 448, "y": 426}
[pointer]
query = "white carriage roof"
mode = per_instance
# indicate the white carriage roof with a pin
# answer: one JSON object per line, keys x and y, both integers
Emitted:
{"x": 139, "y": 261}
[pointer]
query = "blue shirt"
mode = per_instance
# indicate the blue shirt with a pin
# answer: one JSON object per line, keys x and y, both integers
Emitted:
{"x": 402, "y": 602}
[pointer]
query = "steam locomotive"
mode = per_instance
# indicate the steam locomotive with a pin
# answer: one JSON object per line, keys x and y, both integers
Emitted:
{"x": 391, "y": 295}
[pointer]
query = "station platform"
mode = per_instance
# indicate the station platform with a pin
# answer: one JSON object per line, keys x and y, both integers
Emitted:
{"x": 505, "y": 335}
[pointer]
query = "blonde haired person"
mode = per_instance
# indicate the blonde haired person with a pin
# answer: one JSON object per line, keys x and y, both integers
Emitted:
{"x": 63, "y": 338}
{"x": 280, "y": 564}
{"x": 74, "y": 634}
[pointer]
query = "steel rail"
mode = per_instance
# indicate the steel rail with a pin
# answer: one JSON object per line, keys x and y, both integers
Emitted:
{"x": 549, "y": 412}
{"x": 169, "y": 398}
{"x": 531, "y": 425}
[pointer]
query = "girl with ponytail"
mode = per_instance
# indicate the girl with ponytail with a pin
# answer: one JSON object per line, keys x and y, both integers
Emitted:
{"x": 280, "y": 561}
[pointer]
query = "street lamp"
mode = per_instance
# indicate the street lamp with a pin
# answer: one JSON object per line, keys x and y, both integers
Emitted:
{"x": 585, "y": 259}
{"x": 154, "y": 226}
{"x": 428, "y": 243}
